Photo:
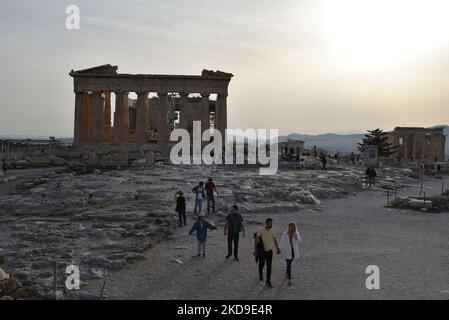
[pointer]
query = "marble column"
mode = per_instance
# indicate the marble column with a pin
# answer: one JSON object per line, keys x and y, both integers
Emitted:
{"x": 205, "y": 122}
{"x": 142, "y": 117}
{"x": 162, "y": 126}
{"x": 184, "y": 111}
{"x": 88, "y": 118}
{"x": 78, "y": 121}
{"x": 107, "y": 117}
{"x": 121, "y": 117}
{"x": 221, "y": 121}
{"x": 98, "y": 117}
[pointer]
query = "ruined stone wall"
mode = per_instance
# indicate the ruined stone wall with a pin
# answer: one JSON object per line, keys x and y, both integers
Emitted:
{"x": 418, "y": 144}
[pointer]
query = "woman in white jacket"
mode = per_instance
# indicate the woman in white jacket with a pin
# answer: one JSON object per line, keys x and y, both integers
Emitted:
{"x": 290, "y": 247}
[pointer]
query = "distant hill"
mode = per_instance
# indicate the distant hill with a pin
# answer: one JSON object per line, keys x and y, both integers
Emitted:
{"x": 332, "y": 142}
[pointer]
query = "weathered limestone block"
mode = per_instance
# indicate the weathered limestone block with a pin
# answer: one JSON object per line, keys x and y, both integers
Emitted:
{"x": 93, "y": 160}
{"x": 39, "y": 161}
{"x": 308, "y": 198}
{"x": 419, "y": 203}
{"x": 3, "y": 275}
{"x": 114, "y": 160}
{"x": 58, "y": 161}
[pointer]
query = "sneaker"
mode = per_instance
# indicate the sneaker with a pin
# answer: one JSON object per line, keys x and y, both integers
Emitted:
{"x": 269, "y": 284}
{"x": 227, "y": 257}
{"x": 204, "y": 255}
{"x": 260, "y": 277}
{"x": 236, "y": 258}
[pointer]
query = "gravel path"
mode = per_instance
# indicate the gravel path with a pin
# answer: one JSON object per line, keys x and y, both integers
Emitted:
{"x": 341, "y": 237}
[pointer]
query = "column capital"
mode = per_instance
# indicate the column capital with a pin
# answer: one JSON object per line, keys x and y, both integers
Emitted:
{"x": 205, "y": 94}
{"x": 142, "y": 93}
{"x": 224, "y": 95}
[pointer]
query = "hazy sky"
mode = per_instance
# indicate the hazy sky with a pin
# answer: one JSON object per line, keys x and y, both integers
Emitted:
{"x": 300, "y": 66}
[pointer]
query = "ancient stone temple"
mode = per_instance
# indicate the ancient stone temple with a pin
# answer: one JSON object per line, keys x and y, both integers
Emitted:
{"x": 418, "y": 144}
{"x": 146, "y": 120}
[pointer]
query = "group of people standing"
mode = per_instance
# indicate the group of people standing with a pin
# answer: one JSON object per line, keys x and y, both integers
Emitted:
{"x": 371, "y": 175}
{"x": 233, "y": 227}
{"x": 202, "y": 193}
{"x": 265, "y": 239}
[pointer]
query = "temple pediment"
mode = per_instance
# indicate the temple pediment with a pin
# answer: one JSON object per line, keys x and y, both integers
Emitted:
{"x": 218, "y": 74}
{"x": 103, "y": 69}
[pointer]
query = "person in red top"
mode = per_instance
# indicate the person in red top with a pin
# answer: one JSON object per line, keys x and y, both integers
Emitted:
{"x": 210, "y": 187}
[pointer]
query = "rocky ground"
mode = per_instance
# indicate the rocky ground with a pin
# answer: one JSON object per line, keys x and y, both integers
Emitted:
{"x": 340, "y": 239}
{"x": 105, "y": 221}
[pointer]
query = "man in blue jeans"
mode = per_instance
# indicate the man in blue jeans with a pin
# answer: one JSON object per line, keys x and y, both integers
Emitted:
{"x": 199, "y": 197}
{"x": 201, "y": 226}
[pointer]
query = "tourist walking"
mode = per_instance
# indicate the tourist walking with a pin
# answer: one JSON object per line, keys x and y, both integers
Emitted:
{"x": 302, "y": 164}
{"x": 268, "y": 238}
{"x": 290, "y": 247}
{"x": 371, "y": 175}
{"x": 210, "y": 188}
{"x": 199, "y": 197}
{"x": 181, "y": 207}
{"x": 201, "y": 226}
{"x": 324, "y": 161}
{"x": 233, "y": 227}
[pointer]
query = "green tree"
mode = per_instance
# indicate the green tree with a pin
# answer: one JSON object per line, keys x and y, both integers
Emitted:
{"x": 378, "y": 138}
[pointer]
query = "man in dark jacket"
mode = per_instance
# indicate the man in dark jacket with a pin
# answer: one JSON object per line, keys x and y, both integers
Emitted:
{"x": 181, "y": 207}
{"x": 201, "y": 226}
{"x": 232, "y": 228}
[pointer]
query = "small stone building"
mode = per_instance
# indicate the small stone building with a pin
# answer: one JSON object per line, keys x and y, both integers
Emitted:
{"x": 418, "y": 144}
{"x": 291, "y": 147}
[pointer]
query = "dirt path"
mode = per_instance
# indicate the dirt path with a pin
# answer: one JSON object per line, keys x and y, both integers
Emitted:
{"x": 340, "y": 239}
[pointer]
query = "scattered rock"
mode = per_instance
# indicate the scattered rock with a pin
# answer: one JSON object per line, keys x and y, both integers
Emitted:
{"x": 3, "y": 275}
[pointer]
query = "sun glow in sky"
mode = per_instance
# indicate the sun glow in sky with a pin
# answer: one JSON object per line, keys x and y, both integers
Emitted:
{"x": 372, "y": 33}
{"x": 309, "y": 66}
